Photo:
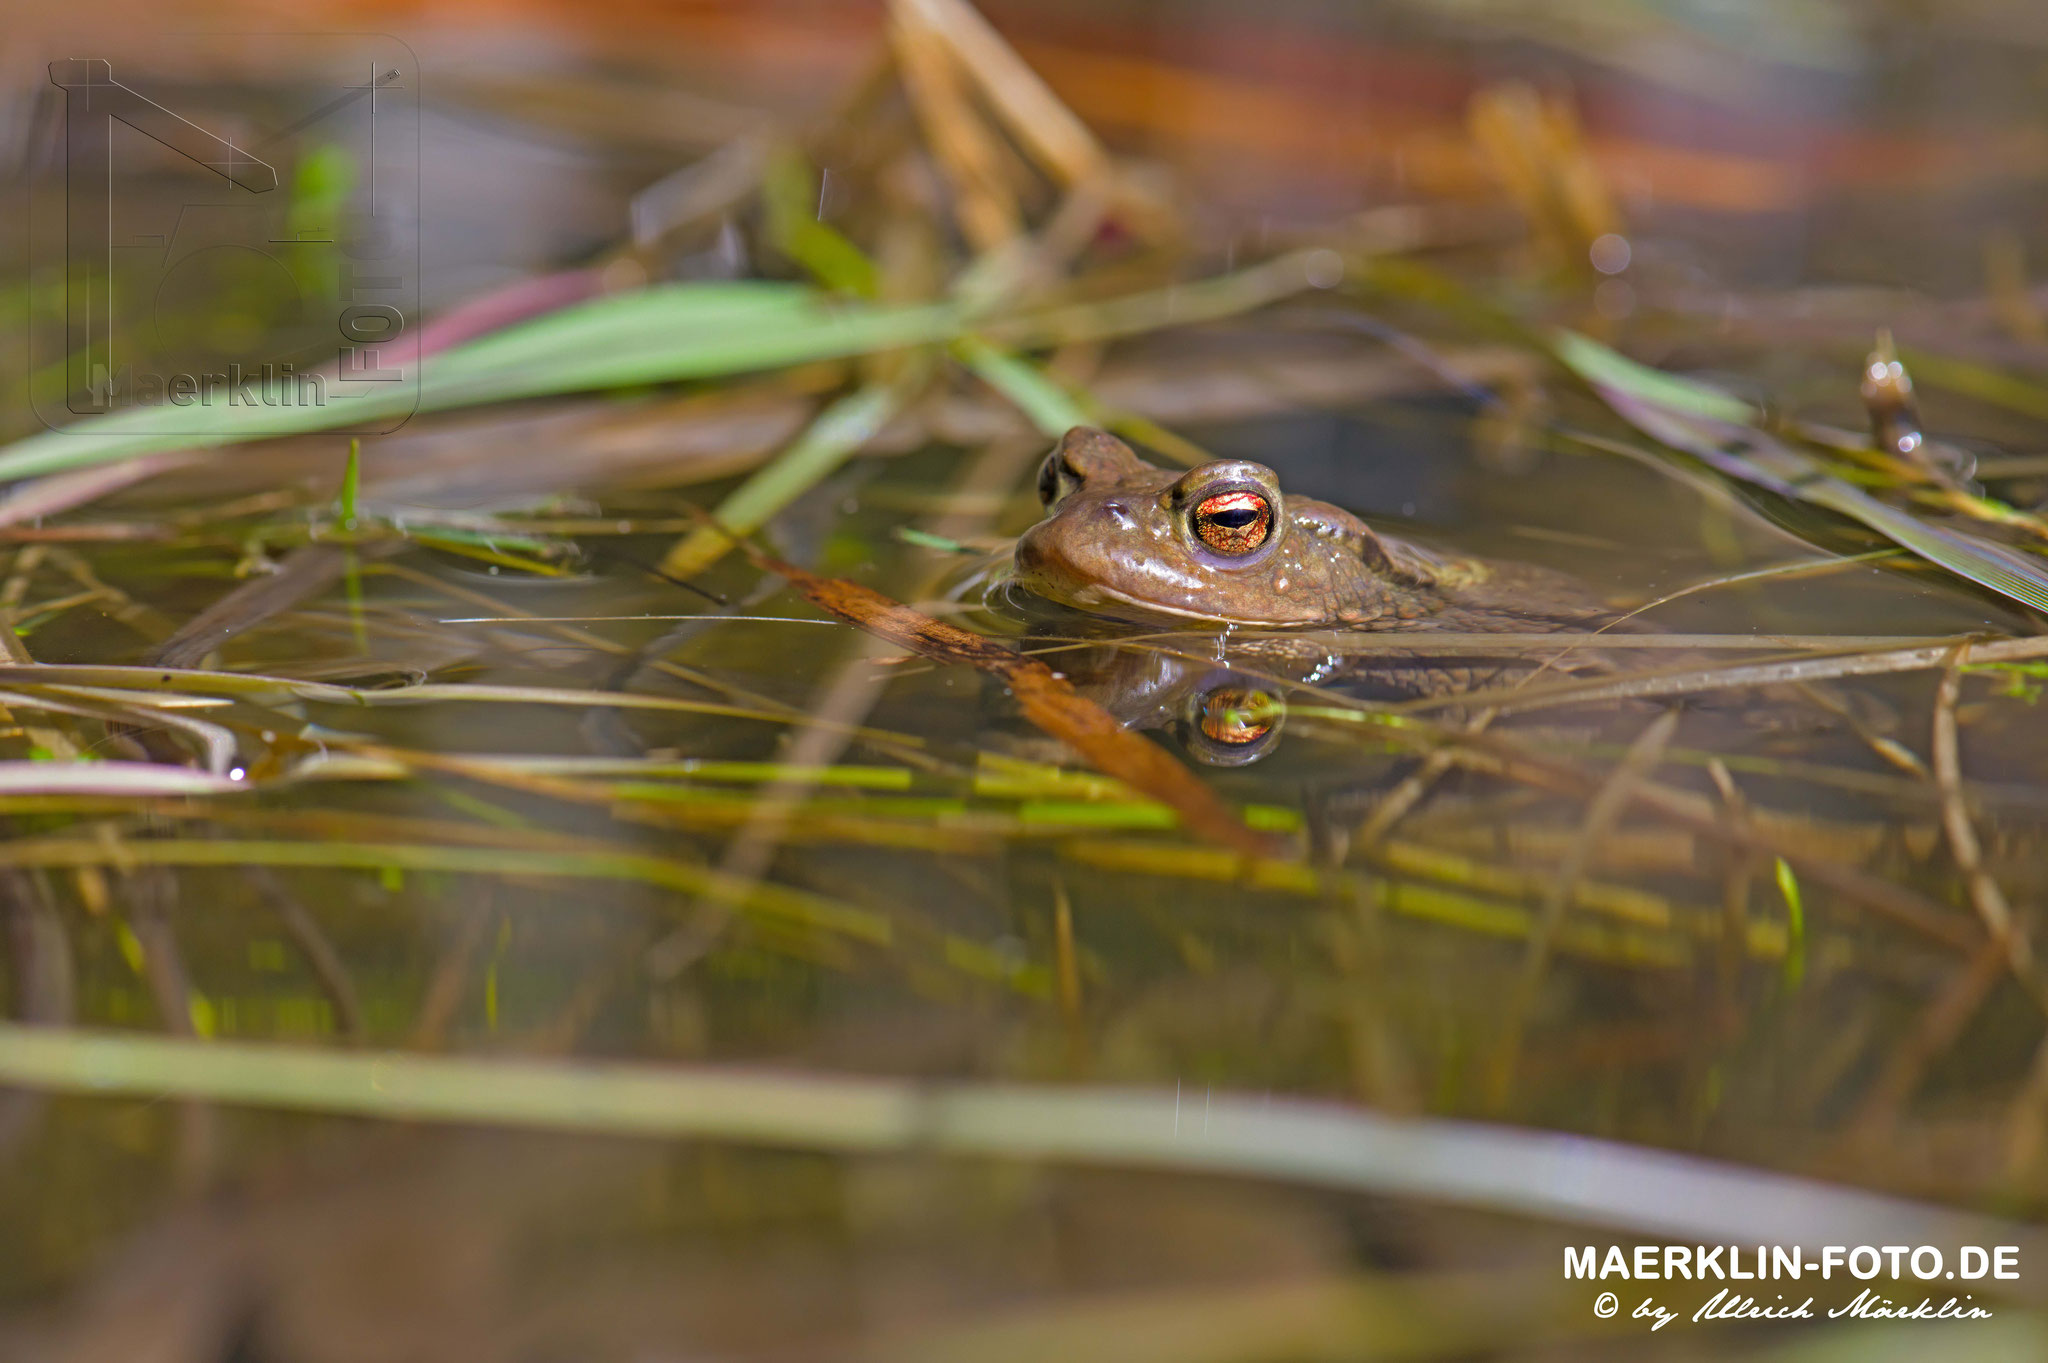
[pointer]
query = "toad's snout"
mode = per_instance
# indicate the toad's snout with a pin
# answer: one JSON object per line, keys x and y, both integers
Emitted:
{"x": 1039, "y": 557}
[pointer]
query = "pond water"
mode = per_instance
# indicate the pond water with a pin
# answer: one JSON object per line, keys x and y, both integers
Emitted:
{"x": 1750, "y": 879}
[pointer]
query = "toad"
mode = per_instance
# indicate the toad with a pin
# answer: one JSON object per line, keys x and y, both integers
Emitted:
{"x": 1223, "y": 545}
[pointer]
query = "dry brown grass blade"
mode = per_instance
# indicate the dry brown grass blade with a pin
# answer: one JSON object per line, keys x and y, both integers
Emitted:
{"x": 152, "y": 893}
{"x": 1535, "y": 147}
{"x": 60, "y": 492}
{"x": 1896, "y": 902}
{"x": 26, "y": 562}
{"x": 1646, "y": 685}
{"x": 1602, "y": 813}
{"x": 984, "y": 199}
{"x": 845, "y": 702}
{"x": 315, "y": 947}
{"x": 1945, "y": 751}
{"x": 1414, "y": 787}
{"x": 44, "y": 980}
{"x": 1041, "y": 122}
{"x": 1066, "y": 959}
{"x": 1046, "y": 698}
{"x": 458, "y": 951}
{"x": 305, "y": 573}
{"x": 1941, "y": 1025}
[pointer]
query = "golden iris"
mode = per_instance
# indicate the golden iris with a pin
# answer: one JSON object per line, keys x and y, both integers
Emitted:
{"x": 1236, "y": 715}
{"x": 1233, "y": 523}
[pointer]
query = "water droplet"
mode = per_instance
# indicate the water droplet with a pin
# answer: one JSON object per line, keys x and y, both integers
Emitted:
{"x": 1610, "y": 253}
{"x": 1323, "y": 269}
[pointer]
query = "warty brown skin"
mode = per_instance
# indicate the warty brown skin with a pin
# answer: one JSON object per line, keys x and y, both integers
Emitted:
{"x": 1118, "y": 540}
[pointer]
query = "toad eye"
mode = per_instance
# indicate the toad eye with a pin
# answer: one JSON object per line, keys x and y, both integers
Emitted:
{"x": 1233, "y": 523}
{"x": 1233, "y": 723}
{"x": 1236, "y": 715}
{"x": 1055, "y": 478}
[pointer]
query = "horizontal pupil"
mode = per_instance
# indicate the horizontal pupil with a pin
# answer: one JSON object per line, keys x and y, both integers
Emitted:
{"x": 1234, "y": 520}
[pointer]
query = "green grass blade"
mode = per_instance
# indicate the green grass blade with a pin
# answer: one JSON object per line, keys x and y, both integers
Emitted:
{"x": 1048, "y": 405}
{"x": 790, "y": 195}
{"x": 1795, "y": 924}
{"x": 1978, "y": 381}
{"x": 662, "y": 334}
{"x": 764, "y": 899}
{"x": 838, "y": 431}
{"x": 679, "y": 331}
{"x": 2004, "y": 570}
{"x": 1604, "y": 367}
{"x": 1716, "y": 428}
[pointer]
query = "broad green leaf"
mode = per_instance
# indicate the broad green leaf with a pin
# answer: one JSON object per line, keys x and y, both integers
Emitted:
{"x": 675, "y": 331}
{"x": 1609, "y": 369}
{"x": 656, "y": 335}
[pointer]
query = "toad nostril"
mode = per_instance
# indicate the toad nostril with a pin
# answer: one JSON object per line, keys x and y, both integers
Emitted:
{"x": 1119, "y": 513}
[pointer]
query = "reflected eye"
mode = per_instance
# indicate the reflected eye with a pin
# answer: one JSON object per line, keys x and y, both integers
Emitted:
{"x": 1236, "y": 715}
{"x": 1232, "y": 724}
{"x": 1233, "y": 523}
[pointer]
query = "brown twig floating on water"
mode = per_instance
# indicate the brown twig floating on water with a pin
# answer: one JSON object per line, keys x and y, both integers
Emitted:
{"x": 1046, "y": 698}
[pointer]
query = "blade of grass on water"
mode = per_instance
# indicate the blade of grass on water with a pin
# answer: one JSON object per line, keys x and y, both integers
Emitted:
{"x": 1051, "y": 408}
{"x": 837, "y": 432}
{"x": 1553, "y": 1175}
{"x": 1045, "y": 697}
{"x": 126, "y": 779}
{"x": 1717, "y": 428}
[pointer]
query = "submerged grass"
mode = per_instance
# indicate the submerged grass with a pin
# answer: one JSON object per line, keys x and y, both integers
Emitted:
{"x": 666, "y": 873}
